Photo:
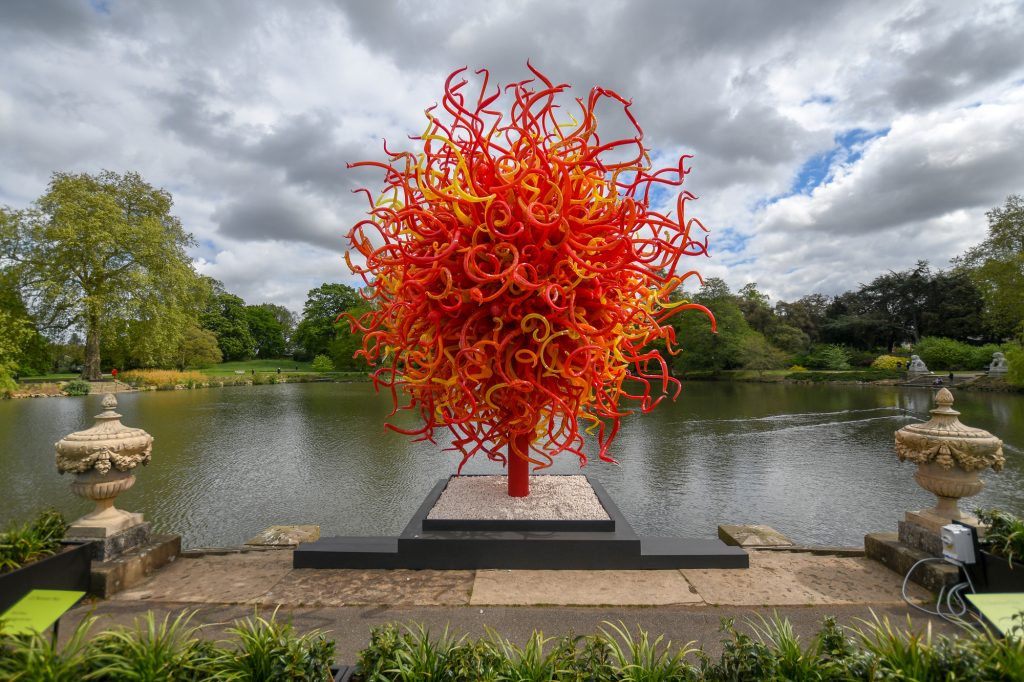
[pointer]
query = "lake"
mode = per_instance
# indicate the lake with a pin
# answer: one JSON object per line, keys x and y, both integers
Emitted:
{"x": 815, "y": 462}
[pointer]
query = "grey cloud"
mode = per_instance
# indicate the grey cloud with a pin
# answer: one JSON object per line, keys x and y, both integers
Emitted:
{"x": 264, "y": 216}
{"x": 960, "y": 63}
{"x": 63, "y": 20}
{"x": 303, "y": 147}
{"x": 904, "y": 183}
{"x": 893, "y": 197}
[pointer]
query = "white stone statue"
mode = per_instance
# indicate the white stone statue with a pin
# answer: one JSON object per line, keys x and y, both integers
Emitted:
{"x": 917, "y": 365}
{"x": 998, "y": 368}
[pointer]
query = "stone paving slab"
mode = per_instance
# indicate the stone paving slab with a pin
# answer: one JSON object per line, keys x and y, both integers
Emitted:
{"x": 236, "y": 578}
{"x": 793, "y": 579}
{"x": 580, "y": 588}
{"x": 774, "y": 579}
{"x": 349, "y": 587}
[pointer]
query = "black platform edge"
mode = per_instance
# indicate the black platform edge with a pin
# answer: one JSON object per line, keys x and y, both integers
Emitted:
{"x": 420, "y": 522}
{"x": 535, "y": 548}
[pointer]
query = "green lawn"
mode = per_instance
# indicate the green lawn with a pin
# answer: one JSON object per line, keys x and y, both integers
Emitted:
{"x": 53, "y": 377}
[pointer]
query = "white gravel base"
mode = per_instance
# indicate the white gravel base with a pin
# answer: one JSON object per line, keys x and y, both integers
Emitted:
{"x": 486, "y": 497}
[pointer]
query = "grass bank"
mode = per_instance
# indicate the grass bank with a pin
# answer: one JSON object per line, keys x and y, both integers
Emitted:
{"x": 881, "y": 377}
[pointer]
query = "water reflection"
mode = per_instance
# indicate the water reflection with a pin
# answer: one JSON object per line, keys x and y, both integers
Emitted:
{"x": 815, "y": 462}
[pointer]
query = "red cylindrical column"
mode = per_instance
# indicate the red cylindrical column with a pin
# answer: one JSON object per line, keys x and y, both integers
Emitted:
{"x": 518, "y": 467}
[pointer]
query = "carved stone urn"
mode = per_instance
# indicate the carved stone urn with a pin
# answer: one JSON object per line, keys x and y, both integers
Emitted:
{"x": 103, "y": 458}
{"x": 949, "y": 457}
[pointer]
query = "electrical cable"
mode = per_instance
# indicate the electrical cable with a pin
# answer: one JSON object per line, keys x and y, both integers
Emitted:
{"x": 955, "y": 613}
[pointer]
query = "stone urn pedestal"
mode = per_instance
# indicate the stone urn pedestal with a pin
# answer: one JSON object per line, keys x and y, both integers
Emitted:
{"x": 103, "y": 459}
{"x": 105, "y": 520}
{"x": 950, "y": 458}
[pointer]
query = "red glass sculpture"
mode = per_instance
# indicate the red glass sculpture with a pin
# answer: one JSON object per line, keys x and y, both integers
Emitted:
{"x": 517, "y": 274}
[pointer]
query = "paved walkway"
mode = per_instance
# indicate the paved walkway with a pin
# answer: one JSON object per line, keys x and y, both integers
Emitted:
{"x": 682, "y": 604}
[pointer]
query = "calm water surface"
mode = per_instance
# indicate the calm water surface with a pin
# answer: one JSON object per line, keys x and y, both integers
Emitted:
{"x": 817, "y": 463}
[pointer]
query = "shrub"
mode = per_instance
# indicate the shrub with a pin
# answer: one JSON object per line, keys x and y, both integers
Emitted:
{"x": 35, "y": 540}
{"x": 855, "y": 375}
{"x": 941, "y": 354}
{"x": 981, "y": 356}
{"x": 797, "y": 368}
{"x": 829, "y": 357}
{"x": 77, "y": 387}
{"x": 1015, "y": 360}
{"x": 322, "y": 363}
{"x": 892, "y": 362}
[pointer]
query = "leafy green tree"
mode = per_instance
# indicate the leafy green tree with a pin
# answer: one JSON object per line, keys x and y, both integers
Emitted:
{"x": 198, "y": 348}
{"x": 98, "y": 248}
{"x": 317, "y": 329}
{"x": 756, "y": 352}
{"x": 225, "y": 315}
{"x": 268, "y": 333}
{"x": 699, "y": 348}
{"x": 788, "y": 339}
{"x": 32, "y": 355}
{"x": 345, "y": 344}
{"x": 808, "y": 314}
{"x": 15, "y": 333}
{"x": 953, "y": 308}
{"x": 997, "y": 267}
{"x": 756, "y": 310}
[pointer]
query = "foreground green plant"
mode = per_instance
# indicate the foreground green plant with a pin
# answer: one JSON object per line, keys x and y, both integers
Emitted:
{"x": 1005, "y": 534}
{"x": 260, "y": 649}
{"x": 152, "y": 650}
{"x": 37, "y": 657}
{"x": 765, "y": 649}
{"x": 32, "y": 541}
{"x": 269, "y": 649}
{"x": 640, "y": 659}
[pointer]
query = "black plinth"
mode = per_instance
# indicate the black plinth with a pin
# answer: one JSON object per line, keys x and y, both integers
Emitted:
{"x": 472, "y": 544}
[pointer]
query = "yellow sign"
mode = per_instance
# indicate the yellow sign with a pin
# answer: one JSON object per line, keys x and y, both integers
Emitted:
{"x": 38, "y": 610}
{"x": 1000, "y": 609}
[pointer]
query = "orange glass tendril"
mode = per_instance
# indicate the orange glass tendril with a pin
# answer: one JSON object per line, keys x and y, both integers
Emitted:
{"x": 517, "y": 272}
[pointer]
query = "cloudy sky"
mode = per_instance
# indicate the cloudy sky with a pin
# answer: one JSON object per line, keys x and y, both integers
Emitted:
{"x": 832, "y": 140}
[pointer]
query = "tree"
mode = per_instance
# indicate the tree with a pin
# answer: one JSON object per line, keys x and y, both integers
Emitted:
{"x": 756, "y": 311}
{"x": 267, "y": 330}
{"x": 954, "y": 308}
{"x": 15, "y": 332}
{"x": 755, "y": 352}
{"x": 345, "y": 344}
{"x": 198, "y": 348}
{"x": 225, "y": 315}
{"x": 316, "y": 331}
{"x": 98, "y": 248}
{"x": 997, "y": 267}
{"x": 808, "y": 314}
{"x": 700, "y": 349}
{"x": 25, "y": 347}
